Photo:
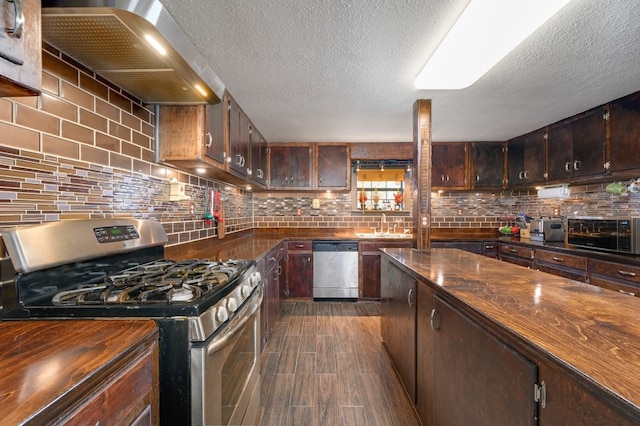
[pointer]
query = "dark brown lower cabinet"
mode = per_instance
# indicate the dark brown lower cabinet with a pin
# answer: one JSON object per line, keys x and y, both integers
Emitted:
{"x": 398, "y": 317}
{"x": 571, "y": 403}
{"x": 424, "y": 355}
{"x": 477, "y": 378}
{"x": 369, "y": 267}
{"x": 299, "y": 269}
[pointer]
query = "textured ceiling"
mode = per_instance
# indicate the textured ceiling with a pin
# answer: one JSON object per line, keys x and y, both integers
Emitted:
{"x": 344, "y": 70}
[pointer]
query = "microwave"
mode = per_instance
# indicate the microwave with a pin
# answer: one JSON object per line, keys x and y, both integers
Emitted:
{"x": 620, "y": 235}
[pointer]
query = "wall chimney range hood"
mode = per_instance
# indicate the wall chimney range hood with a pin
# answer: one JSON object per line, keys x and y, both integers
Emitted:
{"x": 110, "y": 37}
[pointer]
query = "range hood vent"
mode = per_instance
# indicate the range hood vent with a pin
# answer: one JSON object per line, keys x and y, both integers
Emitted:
{"x": 109, "y": 37}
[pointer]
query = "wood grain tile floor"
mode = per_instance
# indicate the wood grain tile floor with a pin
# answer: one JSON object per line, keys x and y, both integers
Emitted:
{"x": 325, "y": 365}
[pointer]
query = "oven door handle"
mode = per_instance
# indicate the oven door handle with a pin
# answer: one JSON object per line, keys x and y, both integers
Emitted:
{"x": 237, "y": 324}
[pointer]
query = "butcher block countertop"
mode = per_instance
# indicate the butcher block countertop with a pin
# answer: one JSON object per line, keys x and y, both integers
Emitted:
{"x": 589, "y": 330}
{"x": 47, "y": 367}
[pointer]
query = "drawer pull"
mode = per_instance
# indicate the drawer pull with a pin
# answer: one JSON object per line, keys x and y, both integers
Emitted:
{"x": 513, "y": 250}
{"x": 558, "y": 259}
{"x": 628, "y": 293}
{"x": 299, "y": 245}
{"x": 627, "y": 274}
{"x": 489, "y": 246}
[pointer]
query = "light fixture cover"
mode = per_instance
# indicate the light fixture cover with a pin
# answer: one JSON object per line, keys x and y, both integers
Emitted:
{"x": 485, "y": 33}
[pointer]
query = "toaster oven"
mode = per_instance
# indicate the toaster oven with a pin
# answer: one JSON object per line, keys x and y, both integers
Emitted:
{"x": 611, "y": 234}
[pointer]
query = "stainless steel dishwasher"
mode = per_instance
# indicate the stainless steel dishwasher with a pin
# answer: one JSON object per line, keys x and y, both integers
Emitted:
{"x": 335, "y": 269}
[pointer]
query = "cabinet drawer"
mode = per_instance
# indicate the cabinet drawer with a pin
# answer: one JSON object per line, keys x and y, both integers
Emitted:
{"x": 628, "y": 289}
{"x": 299, "y": 246}
{"x": 617, "y": 271}
{"x": 562, "y": 259}
{"x": 516, "y": 251}
{"x": 373, "y": 246}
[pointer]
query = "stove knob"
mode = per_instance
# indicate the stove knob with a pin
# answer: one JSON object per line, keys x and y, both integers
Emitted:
{"x": 245, "y": 291}
{"x": 232, "y": 305}
{"x": 222, "y": 315}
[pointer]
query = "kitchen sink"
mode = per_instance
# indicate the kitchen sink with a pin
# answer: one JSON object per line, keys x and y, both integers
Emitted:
{"x": 384, "y": 235}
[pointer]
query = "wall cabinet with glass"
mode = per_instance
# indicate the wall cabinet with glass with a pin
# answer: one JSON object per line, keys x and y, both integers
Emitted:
{"x": 382, "y": 186}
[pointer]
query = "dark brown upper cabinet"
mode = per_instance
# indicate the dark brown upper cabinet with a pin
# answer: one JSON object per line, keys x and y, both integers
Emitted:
{"x": 488, "y": 165}
{"x": 290, "y": 166}
{"x": 258, "y": 158}
{"x": 449, "y": 165}
{"x": 526, "y": 159}
{"x": 625, "y": 133}
{"x": 215, "y": 144}
{"x": 239, "y": 138}
{"x": 333, "y": 167}
{"x": 576, "y": 147}
{"x": 20, "y": 48}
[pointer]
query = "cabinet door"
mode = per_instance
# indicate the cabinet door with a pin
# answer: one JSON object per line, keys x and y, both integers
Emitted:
{"x": 333, "y": 166}
{"x": 625, "y": 133}
{"x": 560, "y": 151}
{"x": 570, "y": 403}
{"x": 20, "y": 54}
{"x": 214, "y": 132}
{"x": 400, "y": 303}
{"x": 299, "y": 269}
{"x": 498, "y": 382}
{"x": 488, "y": 165}
{"x": 449, "y": 162}
{"x": 258, "y": 158}
{"x": 425, "y": 385}
{"x": 290, "y": 166}
{"x": 239, "y": 138}
{"x": 589, "y": 143}
{"x": 528, "y": 155}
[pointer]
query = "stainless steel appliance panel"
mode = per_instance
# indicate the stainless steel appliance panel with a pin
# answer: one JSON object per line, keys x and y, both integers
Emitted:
{"x": 610, "y": 234}
{"x": 225, "y": 371}
{"x": 335, "y": 269}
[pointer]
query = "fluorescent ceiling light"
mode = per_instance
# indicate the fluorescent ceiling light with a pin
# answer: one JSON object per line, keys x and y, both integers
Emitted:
{"x": 485, "y": 33}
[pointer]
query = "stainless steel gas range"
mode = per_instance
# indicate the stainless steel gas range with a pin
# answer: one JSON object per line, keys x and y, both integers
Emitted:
{"x": 207, "y": 311}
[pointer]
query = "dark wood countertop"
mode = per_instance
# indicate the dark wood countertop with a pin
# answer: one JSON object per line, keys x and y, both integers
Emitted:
{"x": 44, "y": 362}
{"x": 590, "y": 330}
{"x": 255, "y": 245}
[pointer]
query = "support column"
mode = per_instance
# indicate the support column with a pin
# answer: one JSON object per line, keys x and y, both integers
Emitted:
{"x": 422, "y": 172}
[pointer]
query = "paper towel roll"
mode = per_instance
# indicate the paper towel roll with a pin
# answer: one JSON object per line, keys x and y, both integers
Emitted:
{"x": 556, "y": 192}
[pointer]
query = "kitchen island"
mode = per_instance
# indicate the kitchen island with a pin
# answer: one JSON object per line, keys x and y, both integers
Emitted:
{"x": 490, "y": 335}
{"x": 78, "y": 372}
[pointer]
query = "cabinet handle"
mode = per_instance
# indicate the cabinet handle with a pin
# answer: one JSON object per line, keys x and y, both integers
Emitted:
{"x": 521, "y": 175}
{"x": 208, "y": 135}
{"x": 442, "y": 178}
{"x": 279, "y": 270}
{"x": 320, "y": 179}
{"x": 567, "y": 166}
{"x": 477, "y": 178}
{"x": 273, "y": 259}
{"x": 260, "y": 174}
{"x": 628, "y": 293}
{"x": 558, "y": 259}
{"x": 576, "y": 165}
{"x": 18, "y": 24}
{"x": 409, "y": 298}
{"x": 627, "y": 274}
{"x": 513, "y": 250}
{"x": 299, "y": 245}
{"x": 432, "y": 320}
{"x": 489, "y": 246}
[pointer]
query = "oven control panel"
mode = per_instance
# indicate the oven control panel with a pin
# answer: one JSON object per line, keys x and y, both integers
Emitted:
{"x": 108, "y": 234}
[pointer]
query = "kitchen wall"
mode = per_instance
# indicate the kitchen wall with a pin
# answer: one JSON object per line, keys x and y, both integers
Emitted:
{"x": 85, "y": 149}
{"x": 492, "y": 210}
